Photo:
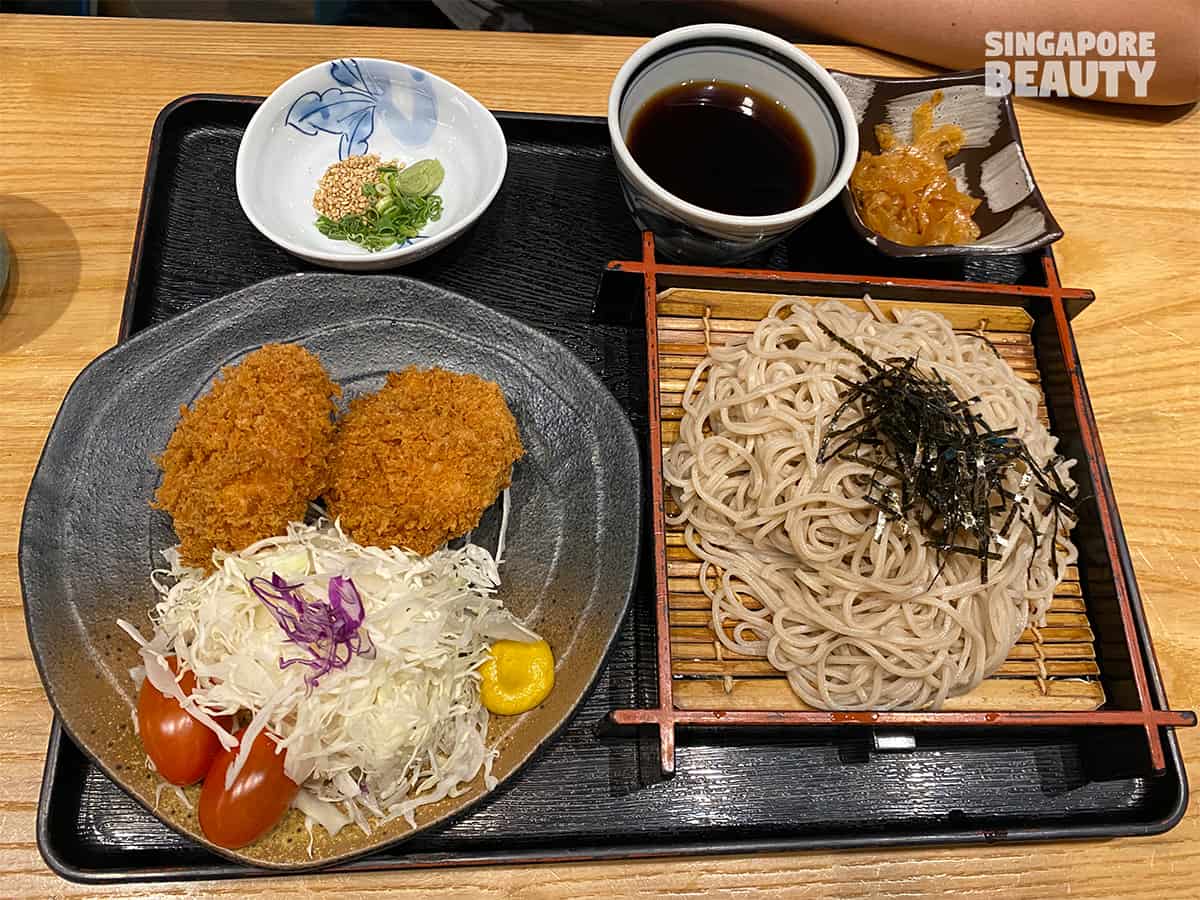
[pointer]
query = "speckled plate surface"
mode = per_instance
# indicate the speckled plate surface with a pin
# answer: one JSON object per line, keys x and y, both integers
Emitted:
{"x": 89, "y": 538}
{"x": 1013, "y": 217}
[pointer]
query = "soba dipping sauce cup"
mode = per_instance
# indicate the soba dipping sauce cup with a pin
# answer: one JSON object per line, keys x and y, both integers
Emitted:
{"x": 769, "y": 66}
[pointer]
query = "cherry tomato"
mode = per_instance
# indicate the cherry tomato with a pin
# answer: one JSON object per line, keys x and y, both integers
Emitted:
{"x": 181, "y": 748}
{"x": 256, "y": 801}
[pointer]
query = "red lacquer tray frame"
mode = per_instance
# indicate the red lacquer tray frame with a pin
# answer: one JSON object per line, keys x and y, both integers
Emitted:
{"x": 1150, "y": 714}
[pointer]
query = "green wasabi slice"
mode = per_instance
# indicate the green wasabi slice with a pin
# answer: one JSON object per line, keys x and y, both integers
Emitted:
{"x": 420, "y": 179}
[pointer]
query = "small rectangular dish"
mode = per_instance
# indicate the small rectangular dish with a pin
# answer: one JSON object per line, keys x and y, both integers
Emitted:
{"x": 991, "y": 165}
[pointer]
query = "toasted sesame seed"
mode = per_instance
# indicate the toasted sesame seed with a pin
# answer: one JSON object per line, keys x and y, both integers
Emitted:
{"x": 340, "y": 190}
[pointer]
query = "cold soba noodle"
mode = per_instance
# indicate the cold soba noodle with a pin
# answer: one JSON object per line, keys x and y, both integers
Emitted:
{"x": 860, "y": 609}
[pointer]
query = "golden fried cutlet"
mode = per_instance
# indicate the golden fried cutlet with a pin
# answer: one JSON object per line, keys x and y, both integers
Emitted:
{"x": 250, "y": 454}
{"x": 418, "y": 462}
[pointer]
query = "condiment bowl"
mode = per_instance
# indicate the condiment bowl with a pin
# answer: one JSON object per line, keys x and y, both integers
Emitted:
{"x": 1013, "y": 217}
{"x": 742, "y": 56}
{"x": 349, "y": 107}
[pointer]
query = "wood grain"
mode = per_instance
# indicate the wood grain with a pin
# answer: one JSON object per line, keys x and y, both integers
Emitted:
{"x": 80, "y": 99}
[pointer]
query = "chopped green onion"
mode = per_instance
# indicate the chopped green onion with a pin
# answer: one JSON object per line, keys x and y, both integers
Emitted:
{"x": 396, "y": 215}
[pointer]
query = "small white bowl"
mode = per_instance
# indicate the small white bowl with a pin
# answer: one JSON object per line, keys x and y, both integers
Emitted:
{"x": 349, "y": 107}
{"x": 744, "y": 56}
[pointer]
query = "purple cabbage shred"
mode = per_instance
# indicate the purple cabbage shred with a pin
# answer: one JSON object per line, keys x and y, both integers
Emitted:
{"x": 329, "y": 632}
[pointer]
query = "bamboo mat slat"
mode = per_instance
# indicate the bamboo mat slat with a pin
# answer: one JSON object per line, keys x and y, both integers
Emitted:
{"x": 691, "y": 303}
{"x": 670, "y": 425}
{"x": 993, "y": 694}
{"x": 1051, "y": 634}
{"x": 751, "y": 668}
{"x": 1054, "y": 620}
{"x": 705, "y": 651}
{"x": 1052, "y": 667}
{"x": 685, "y": 601}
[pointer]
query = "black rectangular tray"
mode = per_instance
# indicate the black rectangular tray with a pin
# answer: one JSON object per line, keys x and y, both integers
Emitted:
{"x": 538, "y": 254}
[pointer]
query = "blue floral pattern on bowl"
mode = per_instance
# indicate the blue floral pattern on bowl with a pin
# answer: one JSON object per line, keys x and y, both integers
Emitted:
{"x": 349, "y": 109}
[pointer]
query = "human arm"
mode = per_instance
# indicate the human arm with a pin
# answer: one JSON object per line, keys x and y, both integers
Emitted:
{"x": 951, "y": 33}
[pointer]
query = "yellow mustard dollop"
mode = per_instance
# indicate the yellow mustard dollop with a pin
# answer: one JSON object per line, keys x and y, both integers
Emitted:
{"x": 516, "y": 677}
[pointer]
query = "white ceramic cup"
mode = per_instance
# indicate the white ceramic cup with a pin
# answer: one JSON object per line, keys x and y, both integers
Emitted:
{"x": 743, "y": 56}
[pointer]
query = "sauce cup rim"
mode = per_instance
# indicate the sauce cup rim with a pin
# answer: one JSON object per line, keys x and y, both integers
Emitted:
{"x": 834, "y": 97}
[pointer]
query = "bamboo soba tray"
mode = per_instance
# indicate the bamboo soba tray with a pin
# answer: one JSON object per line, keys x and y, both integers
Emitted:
{"x": 1051, "y": 668}
{"x": 1089, "y": 664}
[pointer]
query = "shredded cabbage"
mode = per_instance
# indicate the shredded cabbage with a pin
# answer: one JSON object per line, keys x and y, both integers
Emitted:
{"x": 378, "y": 738}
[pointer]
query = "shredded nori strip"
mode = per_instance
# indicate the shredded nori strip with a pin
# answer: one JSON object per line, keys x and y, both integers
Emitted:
{"x": 947, "y": 463}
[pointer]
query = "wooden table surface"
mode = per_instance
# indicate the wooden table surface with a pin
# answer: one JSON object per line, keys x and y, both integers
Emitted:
{"x": 78, "y": 101}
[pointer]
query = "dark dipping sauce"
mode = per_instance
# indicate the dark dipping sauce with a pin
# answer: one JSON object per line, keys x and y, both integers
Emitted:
{"x": 725, "y": 147}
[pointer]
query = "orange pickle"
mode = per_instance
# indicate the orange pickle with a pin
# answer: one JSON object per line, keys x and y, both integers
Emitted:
{"x": 906, "y": 193}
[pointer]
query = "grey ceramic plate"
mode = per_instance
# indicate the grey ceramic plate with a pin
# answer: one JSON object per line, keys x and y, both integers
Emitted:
{"x": 89, "y": 539}
{"x": 1013, "y": 216}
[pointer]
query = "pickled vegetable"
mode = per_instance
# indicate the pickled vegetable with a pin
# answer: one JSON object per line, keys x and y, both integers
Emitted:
{"x": 906, "y": 192}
